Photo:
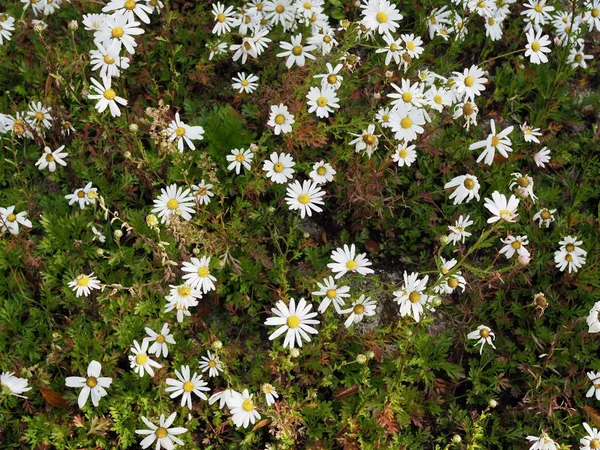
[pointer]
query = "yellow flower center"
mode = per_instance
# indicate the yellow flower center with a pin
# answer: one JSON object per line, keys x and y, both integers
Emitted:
{"x": 393, "y": 47}
{"x": 385, "y": 117}
{"x": 279, "y": 9}
{"x": 91, "y": 194}
{"x": 160, "y": 432}
{"x": 3, "y": 17}
{"x": 414, "y": 297}
{"x": 221, "y": 18}
{"x": 203, "y": 271}
{"x": 91, "y": 382}
{"x": 565, "y": 19}
{"x": 481, "y": 4}
{"x": 516, "y": 244}
{"x": 110, "y": 94}
{"x": 578, "y": 57}
{"x": 410, "y": 45}
{"x": 202, "y": 191}
{"x": 179, "y": 131}
{"x": 369, "y": 139}
{"x": 303, "y": 198}
{"x": 437, "y": 99}
{"x": 50, "y": 157}
{"x": 11, "y": 217}
{"x": 212, "y": 364}
{"x": 505, "y": 214}
{"x": 247, "y": 45}
{"x": 322, "y": 101}
{"x": 545, "y": 214}
{"x": 595, "y": 443}
{"x": 407, "y": 97}
{"x": 381, "y": 17}
{"x": 326, "y": 39}
{"x": 141, "y": 359}
{"x": 293, "y": 321}
{"x": 244, "y": 83}
{"x": 331, "y": 293}
{"x": 267, "y": 388}
{"x": 18, "y": 127}
{"x": 406, "y": 123}
{"x": 595, "y": 13}
{"x": 109, "y": 60}
{"x": 403, "y": 153}
{"x": 82, "y": 280}
{"x": 80, "y": 194}
{"x": 129, "y": 4}
{"x": 172, "y": 204}
{"x": 484, "y": 332}
{"x": 117, "y": 32}
{"x": 351, "y": 265}
{"x": 307, "y": 5}
{"x": 523, "y": 181}
{"x": 491, "y": 21}
{"x": 495, "y": 141}
{"x": 358, "y": 309}
{"x": 538, "y": 8}
{"x": 240, "y": 157}
{"x": 279, "y": 119}
{"x": 469, "y": 81}
{"x": 188, "y": 386}
{"x": 321, "y": 171}
{"x": 453, "y": 282}
{"x": 39, "y": 116}
{"x": 468, "y": 109}
{"x": 247, "y": 405}
{"x": 297, "y": 50}
{"x": 184, "y": 291}
{"x": 278, "y": 167}
{"x": 568, "y": 257}
{"x": 570, "y": 247}
{"x": 331, "y": 79}
{"x": 535, "y": 46}
{"x": 160, "y": 339}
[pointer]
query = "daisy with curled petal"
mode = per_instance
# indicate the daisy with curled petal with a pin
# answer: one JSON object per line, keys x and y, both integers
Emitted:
{"x": 322, "y": 172}
{"x": 197, "y": 274}
{"x": 225, "y": 18}
{"x": 514, "y": 244}
{"x": 50, "y": 159}
{"x": 542, "y": 157}
{"x": 183, "y": 296}
{"x": 524, "y": 185}
{"x": 180, "y": 307}
{"x": 295, "y": 52}
{"x": 484, "y": 335}
{"x": 279, "y": 167}
{"x": 242, "y": 408}
{"x": 594, "y": 390}
{"x": 159, "y": 340}
{"x": 93, "y": 384}
{"x": 493, "y": 142}
{"x": 592, "y": 440}
{"x": 239, "y": 157}
{"x": 367, "y": 141}
{"x": 393, "y": 49}
{"x": 106, "y": 96}
{"x": 537, "y": 46}
{"x": 155, "y": 5}
{"x": 570, "y": 256}
{"x": 346, "y": 260}
{"x": 118, "y": 30}
{"x": 543, "y": 442}
{"x": 322, "y": 101}
{"x": 224, "y": 397}
{"x": 381, "y": 16}
{"x": 544, "y": 216}
{"x": 467, "y": 110}
{"x": 184, "y": 133}
{"x": 174, "y": 201}
{"x": 139, "y": 361}
{"x": 130, "y": 8}
{"x": 186, "y": 385}
{"x": 360, "y": 308}
{"x": 40, "y": 115}
{"x": 7, "y": 26}
{"x": 211, "y": 363}
{"x": 163, "y": 434}
{"x": 245, "y": 83}
{"x": 458, "y": 230}
{"x": 412, "y": 298}
{"x": 216, "y": 48}
{"x": 331, "y": 293}
{"x": 404, "y": 155}
{"x": 294, "y": 320}
{"x": 80, "y": 196}
{"x": 108, "y": 61}
{"x": 448, "y": 284}
{"x": 15, "y": 385}
{"x": 530, "y": 134}
{"x": 270, "y": 393}
{"x": 577, "y": 58}
{"x": 467, "y": 187}
{"x": 332, "y": 78}
{"x": 280, "y": 119}
{"x": 203, "y": 192}
{"x": 83, "y": 284}
{"x": 10, "y": 221}
{"x": 593, "y": 321}
{"x": 501, "y": 207}
{"x": 306, "y": 197}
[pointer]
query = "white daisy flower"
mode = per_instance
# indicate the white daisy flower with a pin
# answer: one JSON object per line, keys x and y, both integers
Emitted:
{"x": 50, "y": 159}
{"x": 322, "y": 172}
{"x": 279, "y": 167}
{"x": 174, "y": 200}
{"x": 393, "y": 49}
{"x": 360, "y": 308}
{"x": 493, "y": 142}
{"x": 98, "y": 235}
{"x": 467, "y": 188}
{"x": 448, "y": 284}
{"x": 203, "y": 192}
{"x": 10, "y": 221}
{"x": 545, "y": 217}
{"x": 304, "y": 197}
{"x": 408, "y": 95}
{"x": 537, "y": 46}
{"x": 245, "y": 83}
{"x": 270, "y": 393}
{"x": 197, "y": 274}
{"x": 542, "y": 157}
{"x": 592, "y": 440}
{"x": 186, "y": 385}
{"x": 184, "y": 133}
{"x": 594, "y": 377}
{"x": 406, "y": 122}
{"x": 381, "y": 16}
{"x": 40, "y": 115}
{"x": 93, "y": 22}
{"x": 239, "y": 157}
{"x": 108, "y": 61}
{"x": 7, "y": 26}
{"x": 458, "y": 230}
{"x": 570, "y": 256}
{"x": 83, "y": 284}
{"x": 93, "y": 384}
{"x": 295, "y": 321}
{"x": 470, "y": 83}
{"x": 224, "y": 397}
{"x": 280, "y": 119}
{"x": 225, "y": 18}
{"x": 295, "y": 52}
{"x": 484, "y": 335}
{"x": 164, "y": 436}
{"x": 367, "y": 141}
{"x": 404, "y": 155}
{"x": 211, "y": 363}
{"x": 83, "y": 196}
{"x": 217, "y": 48}
{"x": 593, "y": 320}
{"x": 331, "y": 293}
{"x": 515, "y": 244}
{"x": 412, "y": 298}
{"x": 139, "y": 361}
{"x": 175, "y": 303}
{"x": 530, "y": 134}
{"x": 544, "y": 442}
{"x": 117, "y": 29}
{"x": 346, "y": 260}
{"x": 15, "y": 385}
{"x": 242, "y": 408}
{"x": 468, "y": 111}
{"x": 159, "y": 340}
{"x": 524, "y": 185}
{"x": 279, "y": 11}
{"x": 577, "y": 58}
{"x": 332, "y": 78}
{"x": 130, "y": 8}
{"x": 322, "y": 101}
{"x": 106, "y": 96}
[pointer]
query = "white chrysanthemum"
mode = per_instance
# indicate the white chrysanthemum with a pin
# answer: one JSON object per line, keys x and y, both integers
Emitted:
{"x": 332, "y": 78}
{"x": 458, "y": 230}
{"x": 594, "y": 377}
{"x": 542, "y": 157}
{"x": 484, "y": 335}
{"x": 295, "y": 52}
{"x": 381, "y": 16}
{"x": 279, "y": 167}
{"x": 159, "y": 340}
{"x": 537, "y": 46}
{"x": 174, "y": 200}
{"x": 346, "y": 260}
{"x": 493, "y": 142}
{"x": 106, "y": 96}
{"x": 501, "y": 207}
{"x": 280, "y": 119}
{"x": 270, "y": 393}
{"x": 163, "y": 434}
{"x": 10, "y": 221}
{"x": 304, "y": 197}
{"x": 39, "y": 115}
{"x": 183, "y": 133}
{"x": 224, "y": 397}
{"x": 50, "y": 158}
{"x": 470, "y": 83}
{"x": 360, "y": 308}
{"x": 14, "y": 384}
{"x": 83, "y": 284}
{"x": 330, "y": 292}
{"x": 570, "y": 256}
{"x": 523, "y": 185}
{"x": 197, "y": 274}
{"x": 412, "y": 298}
{"x": 93, "y": 384}
{"x": 202, "y": 192}
{"x": 139, "y": 361}
{"x": 83, "y": 196}
{"x": 294, "y": 320}
{"x": 130, "y": 8}
{"x": 108, "y": 61}
{"x": 449, "y": 283}
{"x": 515, "y": 244}
{"x": 406, "y": 122}
{"x": 545, "y": 217}
{"x": 245, "y": 83}
{"x": 544, "y": 442}
{"x": 118, "y": 30}
{"x": 367, "y": 141}
{"x": 186, "y": 385}
{"x": 322, "y": 172}
{"x": 467, "y": 188}
{"x": 239, "y": 157}
{"x": 225, "y": 18}
{"x": 211, "y": 363}
{"x": 404, "y": 155}
{"x": 530, "y": 134}
{"x": 592, "y": 440}
{"x": 322, "y": 101}
{"x": 7, "y": 26}
{"x": 242, "y": 408}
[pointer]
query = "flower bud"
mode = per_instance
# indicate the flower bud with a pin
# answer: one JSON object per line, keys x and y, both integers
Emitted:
{"x": 117, "y": 234}
{"x": 524, "y": 260}
{"x": 370, "y": 354}
{"x": 361, "y": 359}
{"x": 73, "y": 25}
{"x": 151, "y": 220}
{"x": 444, "y": 240}
{"x": 133, "y": 127}
{"x": 456, "y": 439}
{"x": 217, "y": 345}
{"x": 294, "y": 353}
{"x": 492, "y": 403}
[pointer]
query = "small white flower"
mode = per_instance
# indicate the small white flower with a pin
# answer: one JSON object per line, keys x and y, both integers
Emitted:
{"x": 295, "y": 52}
{"x": 242, "y": 408}
{"x": 184, "y": 133}
{"x": 542, "y": 443}
{"x": 239, "y": 157}
{"x": 458, "y": 230}
{"x": 211, "y": 363}
{"x": 412, "y": 298}
{"x": 530, "y": 134}
{"x": 174, "y": 201}
{"x": 404, "y": 155}
{"x": 484, "y": 335}
{"x": 367, "y": 141}
{"x": 139, "y": 361}
{"x": 270, "y": 393}
{"x": 322, "y": 172}
{"x": 537, "y": 46}
{"x": 544, "y": 216}
{"x": 203, "y": 192}
{"x": 83, "y": 284}
{"x": 360, "y": 308}
{"x": 245, "y": 83}
{"x": 163, "y": 434}
{"x": 15, "y": 385}
{"x": 279, "y": 167}
{"x": 542, "y": 157}
{"x": 570, "y": 256}
{"x": 331, "y": 293}
{"x": 304, "y": 197}
{"x": 93, "y": 384}
{"x": 346, "y": 260}
{"x": 280, "y": 119}
{"x": 515, "y": 244}
{"x": 501, "y": 207}
{"x": 186, "y": 385}
{"x": 50, "y": 159}
{"x": 159, "y": 341}
{"x": 10, "y": 221}
{"x": 106, "y": 96}
{"x": 467, "y": 188}
{"x": 198, "y": 274}
{"x": 224, "y": 397}
{"x": 592, "y": 440}
{"x": 322, "y": 101}
{"x": 293, "y": 320}
{"x": 593, "y": 322}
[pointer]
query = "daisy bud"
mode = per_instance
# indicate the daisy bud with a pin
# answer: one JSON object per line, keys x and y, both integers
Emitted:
{"x": 73, "y": 25}
{"x": 389, "y": 74}
{"x": 370, "y": 354}
{"x": 133, "y": 127}
{"x": 217, "y": 345}
{"x": 524, "y": 259}
{"x": 294, "y": 353}
{"x": 151, "y": 220}
{"x": 164, "y": 144}
{"x": 253, "y": 147}
{"x": 540, "y": 301}
{"x": 127, "y": 154}
{"x": 305, "y": 235}
{"x": 492, "y": 403}
{"x": 117, "y": 234}
{"x": 444, "y": 239}
{"x": 361, "y": 359}
{"x": 377, "y": 95}
{"x": 271, "y": 209}
{"x": 100, "y": 251}
{"x": 456, "y": 439}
